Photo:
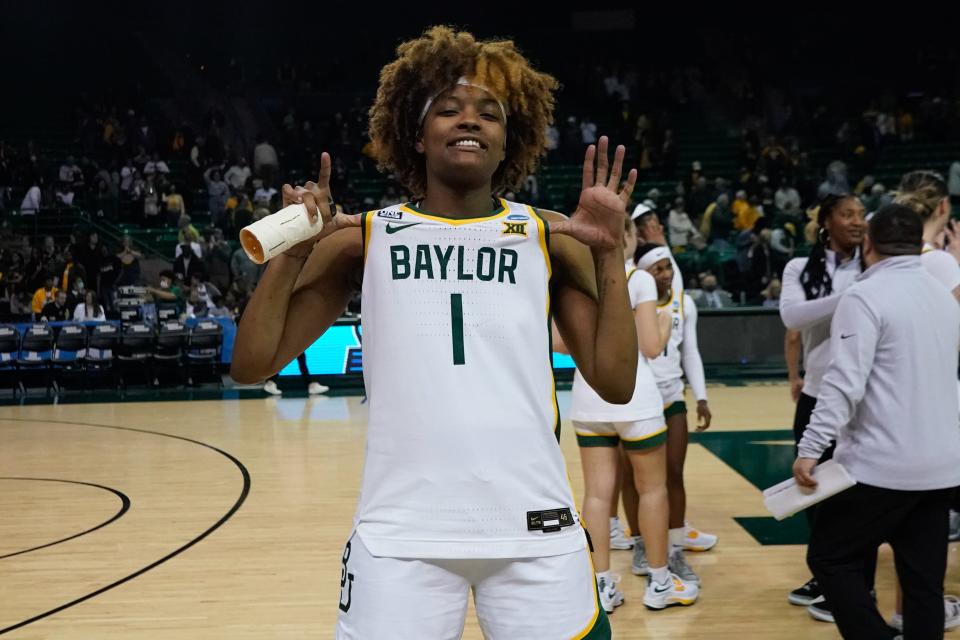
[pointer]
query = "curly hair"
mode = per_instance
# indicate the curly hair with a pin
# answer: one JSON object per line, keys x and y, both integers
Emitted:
{"x": 432, "y": 63}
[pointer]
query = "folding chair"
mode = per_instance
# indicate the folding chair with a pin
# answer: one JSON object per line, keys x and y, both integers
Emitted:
{"x": 135, "y": 351}
{"x": 100, "y": 349}
{"x": 172, "y": 337}
{"x": 9, "y": 351}
{"x": 36, "y": 349}
{"x": 203, "y": 350}
{"x": 69, "y": 352}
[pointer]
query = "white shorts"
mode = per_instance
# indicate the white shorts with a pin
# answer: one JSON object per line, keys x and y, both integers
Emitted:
{"x": 639, "y": 434}
{"x": 399, "y": 599}
{"x": 671, "y": 391}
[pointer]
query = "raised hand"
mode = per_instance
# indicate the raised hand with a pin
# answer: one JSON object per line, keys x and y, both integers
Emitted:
{"x": 598, "y": 220}
{"x": 318, "y": 199}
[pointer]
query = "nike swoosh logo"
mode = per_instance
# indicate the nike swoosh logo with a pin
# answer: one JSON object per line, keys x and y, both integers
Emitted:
{"x": 656, "y": 589}
{"x": 393, "y": 228}
{"x": 849, "y": 335}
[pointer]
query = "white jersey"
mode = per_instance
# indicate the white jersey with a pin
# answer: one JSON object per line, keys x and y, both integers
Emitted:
{"x": 587, "y": 406}
{"x": 667, "y": 365}
{"x": 462, "y": 448}
{"x": 941, "y": 265}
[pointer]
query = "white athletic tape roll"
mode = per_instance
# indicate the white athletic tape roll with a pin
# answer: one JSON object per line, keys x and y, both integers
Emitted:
{"x": 270, "y": 236}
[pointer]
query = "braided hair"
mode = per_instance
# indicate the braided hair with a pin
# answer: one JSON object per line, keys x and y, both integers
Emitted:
{"x": 815, "y": 279}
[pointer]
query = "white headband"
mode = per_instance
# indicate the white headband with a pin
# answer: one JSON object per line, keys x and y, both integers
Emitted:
{"x": 461, "y": 81}
{"x": 639, "y": 210}
{"x": 652, "y": 257}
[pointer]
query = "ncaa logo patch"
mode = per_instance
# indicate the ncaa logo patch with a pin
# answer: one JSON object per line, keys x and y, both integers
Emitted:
{"x": 393, "y": 215}
{"x": 517, "y": 216}
{"x": 515, "y": 229}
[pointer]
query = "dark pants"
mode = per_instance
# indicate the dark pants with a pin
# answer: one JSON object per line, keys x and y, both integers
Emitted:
{"x": 848, "y": 529}
{"x": 302, "y": 363}
{"x": 801, "y": 418}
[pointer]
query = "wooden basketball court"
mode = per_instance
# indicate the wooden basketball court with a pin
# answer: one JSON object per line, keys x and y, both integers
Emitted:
{"x": 227, "y": 519}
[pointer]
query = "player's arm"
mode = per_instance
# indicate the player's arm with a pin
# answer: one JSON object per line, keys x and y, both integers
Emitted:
{"x": 792, "y": 348}
{"x": 692, "y": 363}
{"x": 592, "y": 306}
{"x": 303, "y": 291}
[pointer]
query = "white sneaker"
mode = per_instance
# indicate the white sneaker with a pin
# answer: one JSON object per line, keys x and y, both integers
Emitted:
{"x": 618, "y": 539}
{"x": 271, "y": 387}
{"x": 640, "y": 565}
{"x": 677, "y": 562}
{"x": 951, "y": 618}
{"x": 675, "y": 593}
{"x": 694, "y": 540}
{"x": 610, "y": 596}
{"x": 315, "y": 388}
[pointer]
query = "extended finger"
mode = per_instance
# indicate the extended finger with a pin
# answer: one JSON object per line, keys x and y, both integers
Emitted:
{"x": 628, "y": 186}
{"x": 324, "y": 180}
{"x": 588, "y": 166}
{"x": 290, "y": 195}
{"x": 602, "y": 160}
{"x": 618, "y": 155}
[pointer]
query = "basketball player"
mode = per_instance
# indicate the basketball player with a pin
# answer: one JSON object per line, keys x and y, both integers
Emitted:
{"x": 679, "y": 356}
{"x": 926, "y": 193}
{"x": 464, "y": 486}
{"x": 811, "y": 292}
{"x": 639, "y": 426}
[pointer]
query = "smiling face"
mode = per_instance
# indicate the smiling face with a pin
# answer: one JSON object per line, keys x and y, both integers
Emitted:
{"x": 463, "y": 138}
{"x": 846, "y": 225}
{"x": 662, "y": 272}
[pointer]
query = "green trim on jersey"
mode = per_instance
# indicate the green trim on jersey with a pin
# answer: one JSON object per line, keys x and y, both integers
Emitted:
{"x": 500, "y": 209}
{"x": 598, "y": 440}
{"x": 675, "y": 408}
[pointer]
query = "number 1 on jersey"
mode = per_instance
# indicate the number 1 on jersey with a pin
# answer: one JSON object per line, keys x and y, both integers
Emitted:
{"x": 456, "y": 317}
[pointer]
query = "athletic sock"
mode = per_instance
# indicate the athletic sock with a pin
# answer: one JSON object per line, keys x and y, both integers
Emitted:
{"x": 660, "y": 576}
{"x": 605, "y": 575}
{"x": 676, "y": 537}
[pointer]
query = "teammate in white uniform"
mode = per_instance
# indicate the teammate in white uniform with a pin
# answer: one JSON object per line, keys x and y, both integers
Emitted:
{"x": 681, "y": 355}
{"x": 926, "y": 193}
{"x": 640, "y": 427}
{"x": 464, "y": 486}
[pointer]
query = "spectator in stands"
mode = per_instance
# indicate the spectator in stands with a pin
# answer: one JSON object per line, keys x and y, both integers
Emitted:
{"x": 88, "y": 255}
{"x": 775, "y": 160}
{"x": 238, "y": 174}
{"x": 175, "y": 207}
{"x": 771, "y": 295}
{"x": 32, "y": 201}
{"x": 699, "y": 198}
{"x": 760, "y": 259}
{"x": 155, "y": 166}
{"x": 243, "y": 268}
{"x": 151, "y": 203}
{"x": 43, "y": 296}
{"x": 745, "y": 213}
{"x": 836, "y": 181}
{"x": 57, "y": 310}
{"x": 787, "y": 199}
{"x": 218, "y": 260}
{"x": 265, "y": 162}
{"x": 717, "y": 222}
{"x": 875, "y": 199}
{"x": 64, "y": 195}
{"x": 198, "y": 161}
{"x": 168, "y": 290}
{"x": 110, "y": 269}
{"x": 90, "y": 309}
{"x": 680, "y": 227}
{"x": 553, "y": 141}
{"x": 263, "y": 197}
{"x": 204, "y": 288}
{"x": 70, "y": 271}
{"x": 128, "y": 174}
{"x": 69, "y": 171}
{"x": 197, "y": 306}
{"x": 129, "y": 264}
{"x": 783, "y": 243}
{"x": 77, "y": 293}
{"x": 217, "y": 193}
{"x": 219, "y": 309}
{"x": 188, "y": 262}
{"x": 710, "y": 296}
